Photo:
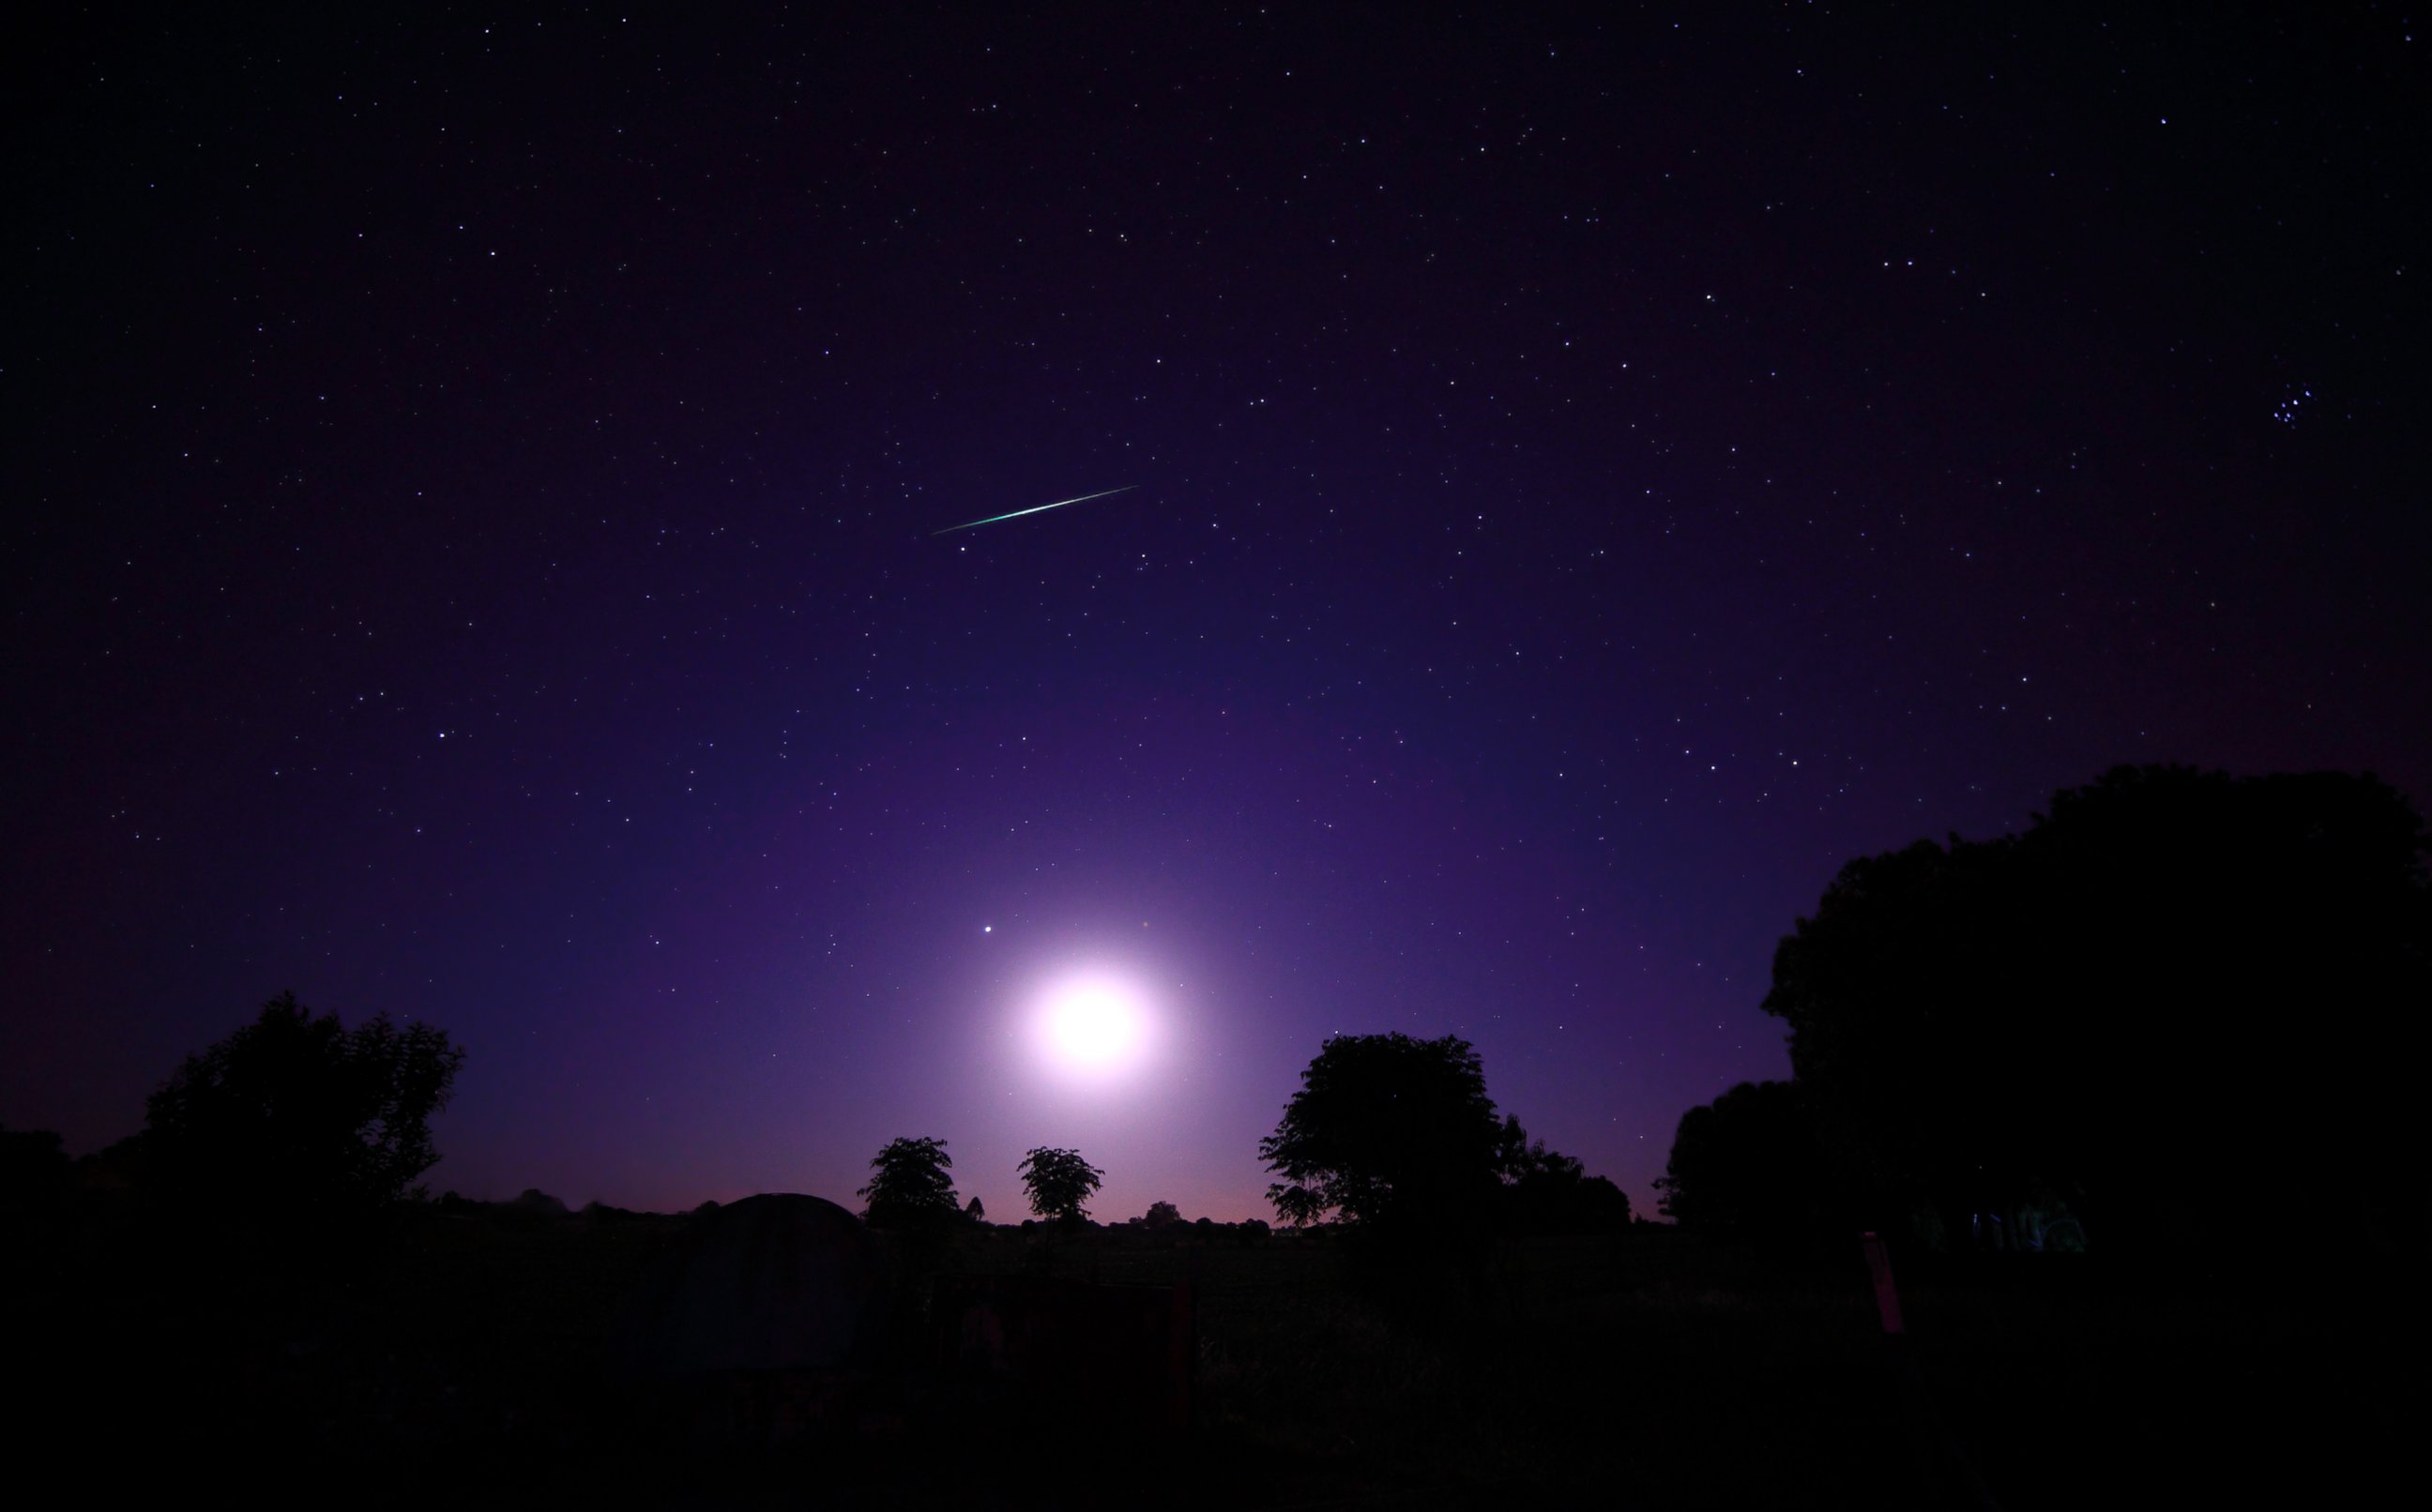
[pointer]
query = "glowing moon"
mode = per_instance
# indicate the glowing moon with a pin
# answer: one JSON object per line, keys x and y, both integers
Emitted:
{"x": 1093, "y": 1027}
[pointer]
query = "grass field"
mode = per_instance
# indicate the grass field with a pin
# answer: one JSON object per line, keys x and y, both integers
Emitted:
{"x": 1647, "y": 1369}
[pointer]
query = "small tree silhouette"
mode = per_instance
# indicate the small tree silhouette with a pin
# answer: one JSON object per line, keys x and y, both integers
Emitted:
{"x": 1162, "y": 1216}
{"x": 908, "y": 1185}
{"x": 1059, "y": 1181}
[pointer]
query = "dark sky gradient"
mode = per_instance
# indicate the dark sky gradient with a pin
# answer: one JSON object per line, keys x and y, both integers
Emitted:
{"x": 472, "y": 479}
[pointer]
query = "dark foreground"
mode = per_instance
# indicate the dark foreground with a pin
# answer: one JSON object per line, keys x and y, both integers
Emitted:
{"x": 457, "y": 1359}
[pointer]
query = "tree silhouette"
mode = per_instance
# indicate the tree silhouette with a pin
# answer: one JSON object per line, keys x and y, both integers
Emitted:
{"x": 1296, "y": 1205}
{"x": 2174, "y": 990}
{"x": 297, "y": 1114}
{"x": 1546, "y": 1191}
{"x": 1059, "y": 1181}
{"x": 1385, "y": 1126}
{"x": 1747, "y": 1163}
{"x": 908, "y": 1185}
{"x": 975, "y": 1211}
{"x": 1162, "y": 1216}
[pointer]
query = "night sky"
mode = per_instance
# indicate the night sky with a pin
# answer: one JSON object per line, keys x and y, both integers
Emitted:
{"x": 473, "y": 478}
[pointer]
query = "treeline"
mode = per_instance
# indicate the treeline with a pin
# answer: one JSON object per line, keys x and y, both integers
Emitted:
{"x": 1387, "y": 1133}
{"x": 2178, "y": 1013}
{"x": 912, "y": 1189}
{"x": 295, "y": 1122}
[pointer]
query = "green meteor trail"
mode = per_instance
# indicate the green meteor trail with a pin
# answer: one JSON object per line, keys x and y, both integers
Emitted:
{"x": 1036, "y": 509}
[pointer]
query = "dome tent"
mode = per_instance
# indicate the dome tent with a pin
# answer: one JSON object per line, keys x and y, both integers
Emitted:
{"x": 777, "y": 1281}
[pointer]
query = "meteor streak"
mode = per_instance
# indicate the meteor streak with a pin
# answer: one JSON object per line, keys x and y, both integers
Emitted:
{"x": 1036, "y": 509}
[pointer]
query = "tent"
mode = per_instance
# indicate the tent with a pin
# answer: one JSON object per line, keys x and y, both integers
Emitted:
{"x": 778, "y": 1281}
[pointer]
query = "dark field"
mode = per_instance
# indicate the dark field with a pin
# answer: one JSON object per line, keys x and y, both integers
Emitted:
{"x": 460, "y": 1360}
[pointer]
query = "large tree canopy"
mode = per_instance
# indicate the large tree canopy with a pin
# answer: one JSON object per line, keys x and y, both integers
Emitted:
{"x": 294, "y": 1112}
{"x": 1386, "y": 1125}
{"x": 2176, "y": 996}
